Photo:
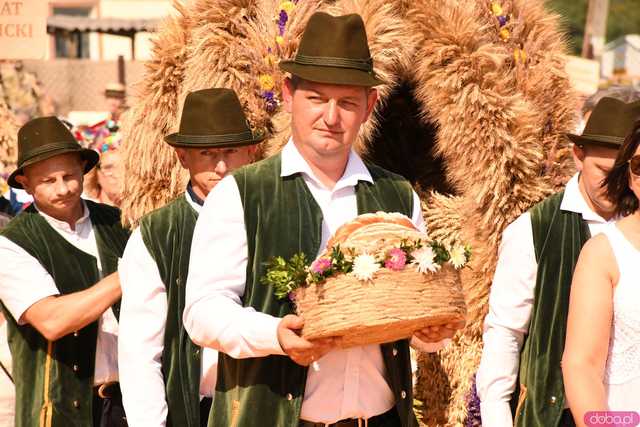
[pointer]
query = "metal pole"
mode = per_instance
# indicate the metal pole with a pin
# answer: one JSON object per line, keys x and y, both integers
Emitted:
{"x": 121, "y": 70}
{"x": 133, "y": 46}
{"x": 79, "y": 45}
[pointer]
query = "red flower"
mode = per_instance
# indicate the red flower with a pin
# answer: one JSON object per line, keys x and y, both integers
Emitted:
{"x": 396, "y": 260}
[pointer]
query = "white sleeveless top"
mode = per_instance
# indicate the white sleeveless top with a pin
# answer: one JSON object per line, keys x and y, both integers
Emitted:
{"x": 622, "y": 372}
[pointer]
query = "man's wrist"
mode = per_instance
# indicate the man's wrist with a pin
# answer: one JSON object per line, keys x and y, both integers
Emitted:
{"x": 276, "y": 346}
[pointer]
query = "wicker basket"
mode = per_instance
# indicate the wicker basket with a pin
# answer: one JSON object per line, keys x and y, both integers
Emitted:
{"x": 391, "y": 307}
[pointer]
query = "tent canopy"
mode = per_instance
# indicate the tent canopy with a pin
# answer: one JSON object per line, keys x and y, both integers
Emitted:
{"x": 114, "y": 26}
{"x": 78, "y": 25}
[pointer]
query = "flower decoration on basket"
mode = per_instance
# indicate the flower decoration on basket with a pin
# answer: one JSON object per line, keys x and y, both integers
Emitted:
{"x": 379, "y": 280}
{"x": 425, "y": 257}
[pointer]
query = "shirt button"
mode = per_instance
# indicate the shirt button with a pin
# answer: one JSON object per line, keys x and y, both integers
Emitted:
{"x": 553, "y": 400}
{"x": 76, "y": 333}
{"x": 76, "y": 404}
{"x": 177, "y": 280}
{"x": 289, "y": 396}
{"x": 395, "y": 351}
{"x": 76, "y": 368}
{"x": 196, "y": 352}
{"x": 403, "y": 394}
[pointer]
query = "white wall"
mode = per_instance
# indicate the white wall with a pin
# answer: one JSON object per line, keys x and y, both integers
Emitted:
{"x": 112, "y": 46}
{"x": 606, "y": 64}
{"x": 624, "y": 57}
{"x": 633, "y": 62}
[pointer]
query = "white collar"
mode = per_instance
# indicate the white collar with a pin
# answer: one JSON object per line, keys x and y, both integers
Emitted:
{"x": 293, "y": 162}
{"x": 63, "y": 225}
{"x": 573, "y": 201}
{"x": 192, "y": 202}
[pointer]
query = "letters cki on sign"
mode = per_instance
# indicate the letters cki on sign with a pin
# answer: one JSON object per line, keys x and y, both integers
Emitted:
{"x": 11, "y": 30}
{"x": 14, "y": 8}
{"x": 16, "y": 30}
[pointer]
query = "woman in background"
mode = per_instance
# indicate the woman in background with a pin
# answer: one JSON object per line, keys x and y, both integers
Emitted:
{"x": 601, "y": 362}
{"x": 104, "y": 184}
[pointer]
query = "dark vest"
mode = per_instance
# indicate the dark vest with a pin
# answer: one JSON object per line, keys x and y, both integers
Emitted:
{"x": 55, "y": 378}
{"x": 167, "y": 234}
{"x": 558, "y": 237}
{"x": 282, "y": 218}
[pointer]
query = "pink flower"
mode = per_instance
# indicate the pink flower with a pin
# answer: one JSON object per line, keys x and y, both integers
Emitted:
{"x": 397, "y": 260}
{"x": 320, "y": 265}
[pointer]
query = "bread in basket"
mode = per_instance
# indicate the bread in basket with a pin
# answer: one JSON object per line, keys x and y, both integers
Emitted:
{"x": 379, "y": 280}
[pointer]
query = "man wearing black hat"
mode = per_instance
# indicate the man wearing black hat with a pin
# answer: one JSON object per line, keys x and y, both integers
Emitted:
{"x": 166, "y": 379}
{"x": 292, "y": 203}
{"x": 115, "y": 95}
{"x": 61, "y": 293}
{"x": 525, "y": 328}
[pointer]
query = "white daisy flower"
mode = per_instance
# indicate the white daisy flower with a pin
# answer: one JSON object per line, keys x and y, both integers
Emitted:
{"x": 458, "y": 257}
{"x": 365, "y": 266}
{"x": 424, "y": 259}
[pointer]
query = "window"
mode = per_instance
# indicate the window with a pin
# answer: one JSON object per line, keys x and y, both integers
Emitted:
{"x": 72, "y": 44}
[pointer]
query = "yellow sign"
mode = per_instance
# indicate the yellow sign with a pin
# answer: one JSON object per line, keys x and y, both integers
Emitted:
{"x": 23, "y": 29}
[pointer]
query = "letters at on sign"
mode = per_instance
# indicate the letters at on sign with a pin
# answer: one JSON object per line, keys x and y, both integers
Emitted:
{"x": 23, "y": 29}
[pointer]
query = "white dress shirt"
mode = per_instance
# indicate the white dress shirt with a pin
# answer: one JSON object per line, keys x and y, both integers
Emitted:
{"x": 7, "y": 388}
{"x": 27, "y": 282}
{"x": 510, "y": 305}
{"x": 143, "y": 316}
{"x": 349, "y": 383}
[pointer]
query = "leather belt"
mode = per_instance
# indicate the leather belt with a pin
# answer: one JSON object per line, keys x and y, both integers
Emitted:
{"x": 378, "y": 420}
{"x": 353, "y": 422}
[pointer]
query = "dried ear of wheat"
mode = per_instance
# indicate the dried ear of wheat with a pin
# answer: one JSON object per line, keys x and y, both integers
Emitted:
{"x": 500, "y": 124}
{"x": 19, "y": 90}
{"x": 152, "y": 176}
{"x": 8, "y": 141}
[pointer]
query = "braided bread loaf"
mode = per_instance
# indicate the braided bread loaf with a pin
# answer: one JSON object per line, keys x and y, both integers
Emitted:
{"x": 372, "y": 233}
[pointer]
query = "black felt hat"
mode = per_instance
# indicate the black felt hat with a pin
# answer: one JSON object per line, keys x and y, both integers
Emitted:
{"x": 334, "y": 50}
{"x": 43, "y": 138}
{"x": 213, "y": 118}
{"x": 609, "y": 123}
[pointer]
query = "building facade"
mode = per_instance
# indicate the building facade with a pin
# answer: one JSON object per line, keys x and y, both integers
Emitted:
{"x": 98, "y": 46}
{"x": 621, "y": 58}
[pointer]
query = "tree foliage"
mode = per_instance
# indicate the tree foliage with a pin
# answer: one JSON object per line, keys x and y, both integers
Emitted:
{"x": 624, "y": 18}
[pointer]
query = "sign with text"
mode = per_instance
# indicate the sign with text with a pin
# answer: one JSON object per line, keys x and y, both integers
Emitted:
{"x": 23, "y": 29}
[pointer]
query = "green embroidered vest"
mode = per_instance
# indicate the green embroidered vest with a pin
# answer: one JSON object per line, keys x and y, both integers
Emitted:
{"x": 558, "y": 237}
{"x": 282, "y": 218}
{"x": 54, "y": 379}
{"x": 167, "y": 234}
